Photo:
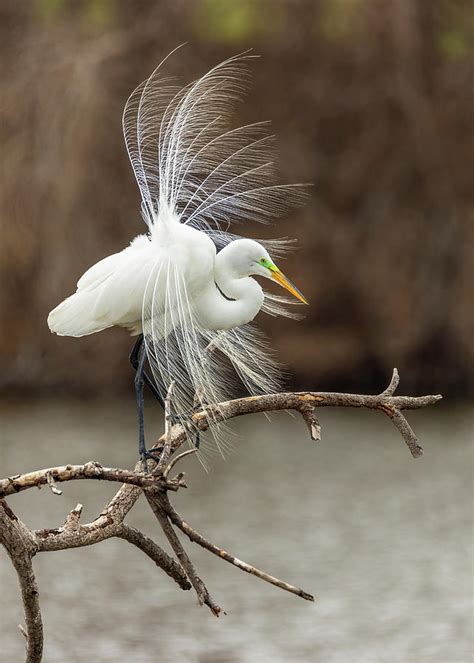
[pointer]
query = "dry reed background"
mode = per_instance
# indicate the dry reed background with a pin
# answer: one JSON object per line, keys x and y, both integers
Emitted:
{"x": 371, "y": 100}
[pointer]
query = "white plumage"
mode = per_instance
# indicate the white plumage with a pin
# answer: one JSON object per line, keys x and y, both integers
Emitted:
{"x": 187, "y": 284}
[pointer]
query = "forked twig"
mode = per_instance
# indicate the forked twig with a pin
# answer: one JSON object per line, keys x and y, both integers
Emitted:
{"x": 22, "y": 543}
{"x": 153, "y": 496}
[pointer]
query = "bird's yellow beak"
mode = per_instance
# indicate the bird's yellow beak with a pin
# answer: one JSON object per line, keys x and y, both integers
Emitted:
{"x": 280, "y": 278}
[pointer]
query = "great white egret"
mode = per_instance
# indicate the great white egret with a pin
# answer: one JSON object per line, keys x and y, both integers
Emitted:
{"x": 186, "y": 288}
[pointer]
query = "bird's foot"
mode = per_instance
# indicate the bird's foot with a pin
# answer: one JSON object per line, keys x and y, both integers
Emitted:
{"x": 154, "y": 455}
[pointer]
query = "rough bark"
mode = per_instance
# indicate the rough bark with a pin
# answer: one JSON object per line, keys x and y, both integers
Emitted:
{"x": 22, "y": 543}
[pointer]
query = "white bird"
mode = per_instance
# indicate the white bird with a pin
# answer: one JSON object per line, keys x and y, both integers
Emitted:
{"x": 186, "y": 288}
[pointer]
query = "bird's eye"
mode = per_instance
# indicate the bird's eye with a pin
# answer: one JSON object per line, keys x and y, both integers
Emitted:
{"x": 262, "y": 261}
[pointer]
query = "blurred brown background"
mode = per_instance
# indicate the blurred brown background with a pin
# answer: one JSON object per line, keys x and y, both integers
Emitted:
{"x": 371, "y": 101}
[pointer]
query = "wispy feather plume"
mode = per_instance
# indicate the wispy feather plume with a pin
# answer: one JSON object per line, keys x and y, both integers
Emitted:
{"x": 185, "y": 155}
{"x": 190, "y": 164}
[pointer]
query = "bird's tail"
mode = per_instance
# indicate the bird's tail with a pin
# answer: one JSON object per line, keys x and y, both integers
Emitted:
{"x": 75, "y": 316}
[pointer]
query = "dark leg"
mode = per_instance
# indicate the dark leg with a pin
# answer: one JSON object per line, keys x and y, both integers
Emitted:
{"x": 137, "y": 359}
{"x": 139, "y": 382}
{"x": 137, "y": 351}
{"x": 140, "y": 403}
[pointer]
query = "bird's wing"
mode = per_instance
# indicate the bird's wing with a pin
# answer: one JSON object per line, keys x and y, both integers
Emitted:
{"x": 99, "y": 272}
{"x": 103, "y": 269}
{"x": 188, "y": 160}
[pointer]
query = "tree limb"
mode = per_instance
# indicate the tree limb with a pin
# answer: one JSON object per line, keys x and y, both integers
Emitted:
{"x": 220, "y": 552}
{"x": 20, "y": 546}
{"x": 153, "y": 497}
{"x": 154, "y": 552}
{"x": 53, "y": 475}
{"x": 385, "y": 402}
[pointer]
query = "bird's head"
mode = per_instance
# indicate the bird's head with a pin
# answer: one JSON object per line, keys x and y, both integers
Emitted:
{"x": 249, "y": 258}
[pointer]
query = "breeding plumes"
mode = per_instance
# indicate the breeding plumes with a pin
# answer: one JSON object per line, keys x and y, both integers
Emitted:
{"x": 186, "y": 287}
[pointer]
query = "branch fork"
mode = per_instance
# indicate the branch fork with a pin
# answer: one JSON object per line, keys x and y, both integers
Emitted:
{"x": 22, "y": 544}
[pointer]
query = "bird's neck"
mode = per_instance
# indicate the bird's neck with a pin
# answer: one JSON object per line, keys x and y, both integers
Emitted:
{"x": 235, "y": 301}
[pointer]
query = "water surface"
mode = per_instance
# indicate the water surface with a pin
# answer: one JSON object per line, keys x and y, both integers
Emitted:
{"x": 383, "y": 541}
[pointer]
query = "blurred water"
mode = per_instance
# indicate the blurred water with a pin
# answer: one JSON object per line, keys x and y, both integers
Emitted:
{"x": 384, "y": 542}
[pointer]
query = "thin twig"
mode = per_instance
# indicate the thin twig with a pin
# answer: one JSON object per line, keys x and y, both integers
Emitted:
{"x": 154, "y": 552}
{"x": 392, "y": 387}
{"x": 407, "y": 433}
{"x": 220, "y": 552}
{"x": 200, "y": 588}
{"x": 176, "y": 459}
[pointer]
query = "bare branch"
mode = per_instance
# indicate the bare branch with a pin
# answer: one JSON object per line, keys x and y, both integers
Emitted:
{"x": 154, "y": 552}
{"x": 176, "y": 459}
{"x": 302, "y": 401}
{"x": 407, "y": 433}
{"x": 220, "y": 552}
{"x": 153, "y": 496}
{"x": 392, "y": 387}
{"x": 20, "y": 546}
{"x": 53, "y": 475}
